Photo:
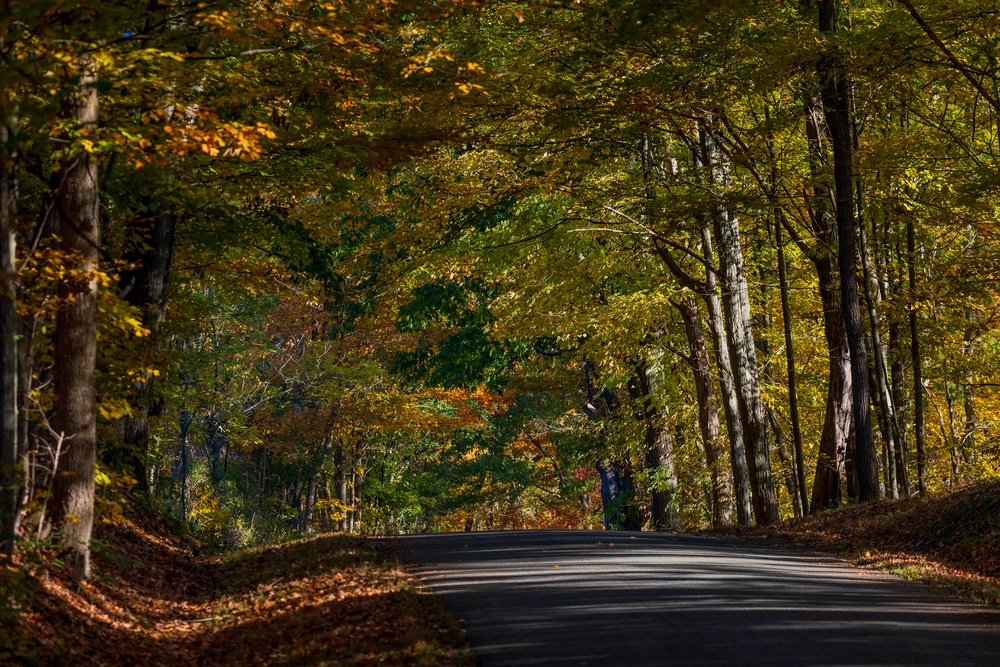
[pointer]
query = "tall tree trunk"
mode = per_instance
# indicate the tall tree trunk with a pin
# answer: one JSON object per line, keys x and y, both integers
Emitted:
{"x": 780, "y": 441}
{"x": 836, "y": 105}
{"x": 827, "y": 490}
{"x": 76, "y": 332}
{"x": 969, "y": 436}
{"x": 739, "y": 330}
{"x": 617, "y": 488}
{"x": 764, "y": 328}
{"x": 919, "y": 421}
{"x": 147, "y": 287}
{"x": 887, "y": 410}
{"x": 823, "y": 226}
{"x": 793, "y": 399}
{"x": 308, "y": 524}
{"x": 730, "y": 402}
{"x": 10, "y": 472}
{"x": 851, "y": 466}
{"x": 899, "y": 399}
{"x": 968, "y": 392}
{"x": 184, "y": 480}
{"x": 709, "y": 292}
{"x": 951, "y": 437}
{"x": 356, "y": 485}
{"x": 215, "y": 441}
{"x": 609, "y": 472}
{"x": 618, "y": 496}
{"x": 708, "y": 413}
{"x": 180, "y": 468}
{"x": 659, "y": 450}
{"x": 340, "y": 461}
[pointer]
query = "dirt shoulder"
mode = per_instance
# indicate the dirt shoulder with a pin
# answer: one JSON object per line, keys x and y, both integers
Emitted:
{"x": 155, "y": 600}
{"x": 951, "y": 541}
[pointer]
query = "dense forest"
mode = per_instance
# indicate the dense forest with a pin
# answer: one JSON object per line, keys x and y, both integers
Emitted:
{"x": 384, "y": 267}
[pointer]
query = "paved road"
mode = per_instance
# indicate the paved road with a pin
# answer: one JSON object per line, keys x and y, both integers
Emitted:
{"x": 630, "y": 599}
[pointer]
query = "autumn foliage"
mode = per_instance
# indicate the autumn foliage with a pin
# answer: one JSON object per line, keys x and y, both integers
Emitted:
{"x": 276, "y": 268}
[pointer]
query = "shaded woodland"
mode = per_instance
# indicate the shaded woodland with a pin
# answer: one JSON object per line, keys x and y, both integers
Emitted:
{"x": 283, "y": 267}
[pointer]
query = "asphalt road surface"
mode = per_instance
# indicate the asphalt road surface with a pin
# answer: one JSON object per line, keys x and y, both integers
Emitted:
{"x": 607, "y": 599}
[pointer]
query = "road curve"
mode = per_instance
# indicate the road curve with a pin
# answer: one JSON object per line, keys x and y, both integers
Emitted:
{"x": 630, "y": 599}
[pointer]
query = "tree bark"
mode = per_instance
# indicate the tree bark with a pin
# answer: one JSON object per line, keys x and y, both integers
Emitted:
{"x": 356, "y": 485}
{"x": 837, "y": 111}
{"x": 340, "y": 461}
{"x": 10, "y": 472}
{"x": 827, "y": 490}
{"x": 968, "y": 392}
{"x": 919, "y": 421}
{"x": 76, "y": 332}
{"x": 215, "y": 442}
{"x": 793, "y": 400}
{"x": 308, "y": 524}
{"x": 617, "y": 489}
{"x": 708, "y": 291}
{"x": 147, "y": 288}
{"x": 969, "y": 436}
{"x": 887, "y": 410}
{"x": 730, "y": 403}
{"x": 659, "y": 451}
{"x": 896, "y": 354}
{"x": 739, "y": 330}
{"x": 708, "y": 413}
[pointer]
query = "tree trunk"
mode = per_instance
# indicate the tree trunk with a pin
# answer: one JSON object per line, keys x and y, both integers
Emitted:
{"x": 617, "y": 489}
{"x": 969, "y": 436}
{"x": 618, "y": 496}
{"x": 180, "y": 469}
{"x": 836, "y": 105}
{"x": 184, "y": 479}
{"x": 356, "y": 485}
{"x": 708, "y": 414}
{"x": 780, "y": 441}
{"x": 887, "y": 410}
{"x": 730, "y": 403}
{"x": 310, "y": 503}
{"x": 659, "y": 452}
{"x": 739, "y": 330}
{"x": 968, "y": 392}
{"x": 837, "y": 422}
{"x": 340, "y": 461}
{"x": 919, "y": 422}
{"x": 764, "y": 327}
{"x": 793, "y": 399}
{"x": 10, "y": 473}
{"x": 76, "y": 332}
{"x": 951, "y": 437}
{"x": 896, "y": 354}
{"x": 850, "y": 465}
{"x": 147, "y": 288}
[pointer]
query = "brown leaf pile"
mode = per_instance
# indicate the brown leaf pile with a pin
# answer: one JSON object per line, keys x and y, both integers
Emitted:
{"x": 326, "y": 600}
{"x": 951, "y": 540}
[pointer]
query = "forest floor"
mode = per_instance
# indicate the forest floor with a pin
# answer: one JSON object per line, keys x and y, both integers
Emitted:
{"x": 156, "y": 600}
{"x": 334, "y": 599}
{"x": 950, "y": 541}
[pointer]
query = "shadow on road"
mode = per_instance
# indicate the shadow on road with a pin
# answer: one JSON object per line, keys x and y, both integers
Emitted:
{"x": 604, "y": 598}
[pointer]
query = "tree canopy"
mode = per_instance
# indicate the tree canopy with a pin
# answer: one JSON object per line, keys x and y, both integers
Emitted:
{"x": 400, "y": 266}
